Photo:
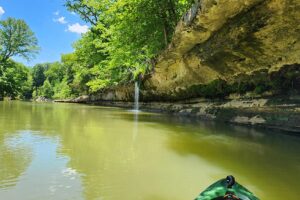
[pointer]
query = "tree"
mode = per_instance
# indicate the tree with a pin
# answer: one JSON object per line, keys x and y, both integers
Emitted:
{"x": 62, "y": 90}
{"x": 129, "y": 35}
{"x": 26, "y": 88}
{"x": 38, "y": 76}
{"x": 13, "y": 79}
{"x": 55, "y": 72}
{"x": 124, "y": 38}
{"x": 87, "y": 13}
{"x": 16, "y": 39}
{"x": 47, "y": 89}
{"x": 139, "y": 30}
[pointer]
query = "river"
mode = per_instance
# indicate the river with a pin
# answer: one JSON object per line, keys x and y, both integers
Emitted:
{"x": 69, "y": 151}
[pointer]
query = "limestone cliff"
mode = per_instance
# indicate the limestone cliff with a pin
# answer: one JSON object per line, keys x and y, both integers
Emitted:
{"x": 227, "y": 40}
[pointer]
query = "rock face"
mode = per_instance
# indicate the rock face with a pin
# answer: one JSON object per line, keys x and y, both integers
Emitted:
{"x": 227, "y": 39}
{"x": 42, "y": 99}
{"x": 120, "y": 93}
{"x": 278, "y": 113}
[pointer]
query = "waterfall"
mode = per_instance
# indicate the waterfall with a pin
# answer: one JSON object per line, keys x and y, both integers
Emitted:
{"x": 136, "y": 96}
{"x": 136, "y": 110}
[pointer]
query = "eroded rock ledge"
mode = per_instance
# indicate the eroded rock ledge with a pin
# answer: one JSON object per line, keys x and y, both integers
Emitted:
{"x": 280, "y": 113}
{"x": 227, "y": 40}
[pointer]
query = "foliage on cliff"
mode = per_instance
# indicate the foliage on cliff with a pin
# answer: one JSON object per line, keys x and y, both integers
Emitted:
{"x": 123, "y": 39}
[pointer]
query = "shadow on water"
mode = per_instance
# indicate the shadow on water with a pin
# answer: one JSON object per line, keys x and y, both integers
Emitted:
{"x": 258, "y": 161}
{"x": 14, "y": 160}
{"x": 267, "y": 161}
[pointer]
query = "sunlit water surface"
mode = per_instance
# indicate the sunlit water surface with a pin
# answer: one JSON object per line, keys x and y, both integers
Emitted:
{"x": 70, "y": 152}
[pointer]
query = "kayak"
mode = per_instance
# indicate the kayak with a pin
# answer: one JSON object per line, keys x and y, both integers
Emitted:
{"x": 226, "y": 189}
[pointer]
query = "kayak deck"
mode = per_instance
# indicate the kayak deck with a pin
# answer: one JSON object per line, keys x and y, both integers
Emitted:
{"x": 226, "y": 189}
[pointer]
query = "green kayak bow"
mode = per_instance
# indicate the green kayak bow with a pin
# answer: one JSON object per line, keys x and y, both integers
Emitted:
{"x": 226, "y": 189}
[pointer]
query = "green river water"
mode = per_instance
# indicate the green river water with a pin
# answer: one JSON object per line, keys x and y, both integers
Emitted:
{"x": 69, "y": 152}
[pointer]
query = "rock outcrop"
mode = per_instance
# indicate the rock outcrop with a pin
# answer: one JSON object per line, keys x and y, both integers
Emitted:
{"x": 227, "y": 40}
{"x": 277, "y": 113}
{"x": 42, "y": 99}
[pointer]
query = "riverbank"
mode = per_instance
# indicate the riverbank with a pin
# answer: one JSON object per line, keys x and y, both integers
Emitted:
{"x": 282, "y": 113}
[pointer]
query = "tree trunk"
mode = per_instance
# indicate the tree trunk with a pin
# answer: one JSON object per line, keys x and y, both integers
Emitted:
{"x": 1, "y": 95}
{"x": 166, "y": 35}
{"x": 164, "y": 18}
{"x": 172, "y": 12}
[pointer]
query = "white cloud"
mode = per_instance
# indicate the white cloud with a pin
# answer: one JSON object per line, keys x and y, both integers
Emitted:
{"x": 77, "y": 28}
{"x": 1, "y": 11}
{"x": 73, "y": 13}
{"x": 62, "y": 20}
{"x": 56, "y": 13}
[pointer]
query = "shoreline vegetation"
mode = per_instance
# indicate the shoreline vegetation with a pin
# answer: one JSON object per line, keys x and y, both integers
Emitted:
{"x": 226, "y": 61}
{"x": 123, "y": 42}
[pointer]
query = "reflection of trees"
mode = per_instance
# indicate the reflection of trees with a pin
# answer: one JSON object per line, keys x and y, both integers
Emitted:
{"x": 13, "y": 163}
{"x": 102, "y": 160}
{"x": 14, "y": 160}
{"x": 98, "y": 149}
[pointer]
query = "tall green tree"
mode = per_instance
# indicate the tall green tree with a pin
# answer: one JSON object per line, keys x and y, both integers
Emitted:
{"x": 88, "y": 13}
{"x": 130, "y": 33}
{"x": 47, "y": 89}
{"x": 16, "y": 39}
{"x": 55, "y": 72}
{"x": 13, "y": 79}
{"x": 38, "y": 76}
{"x": 140, "y": 29}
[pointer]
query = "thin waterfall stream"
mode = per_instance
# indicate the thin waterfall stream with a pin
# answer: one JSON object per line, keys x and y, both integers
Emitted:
{"x": 136, "y": 96}
{"x": 136, "y": 110}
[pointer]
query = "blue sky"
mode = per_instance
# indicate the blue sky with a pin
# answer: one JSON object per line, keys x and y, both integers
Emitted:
{"x": 55, "y": 27}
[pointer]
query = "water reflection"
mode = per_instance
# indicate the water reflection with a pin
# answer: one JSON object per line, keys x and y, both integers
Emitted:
{"x": 14, "y": 159}
{"x": 40, "y": 173}
{"x": 87, "y": 152}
